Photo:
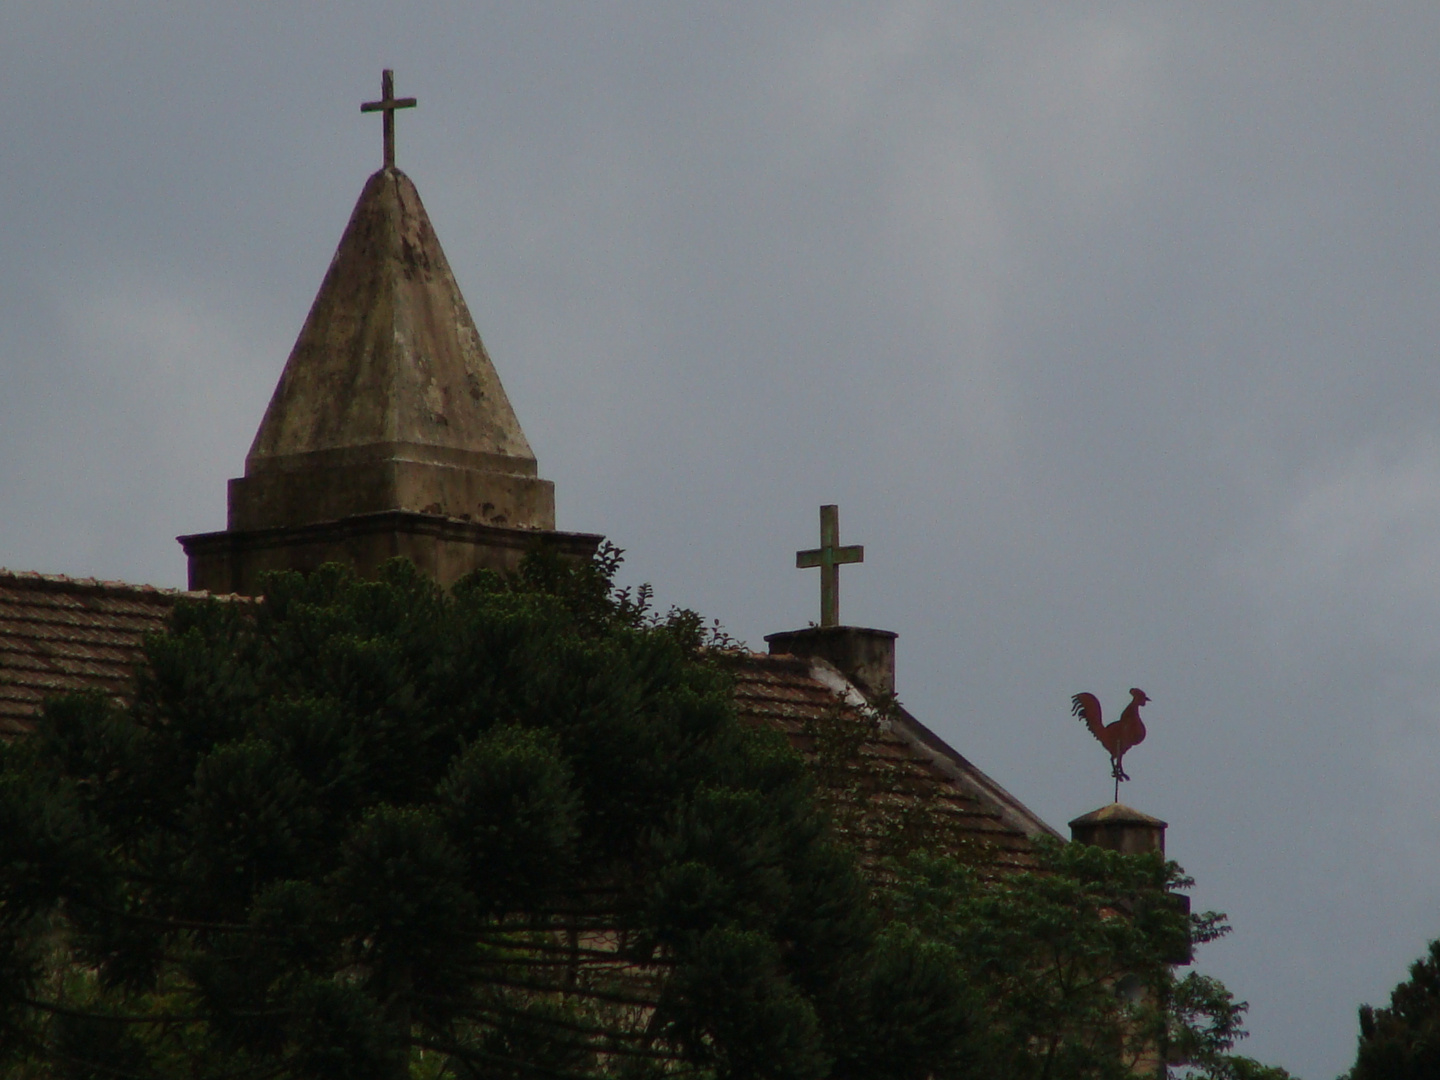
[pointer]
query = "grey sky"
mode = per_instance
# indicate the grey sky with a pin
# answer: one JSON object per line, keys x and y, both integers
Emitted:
{"x": 1110, "y": 327}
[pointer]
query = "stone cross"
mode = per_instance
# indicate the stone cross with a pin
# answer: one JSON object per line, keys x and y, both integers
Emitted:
{"x": 830, "y": 556}
{"x": 387, "y": 104}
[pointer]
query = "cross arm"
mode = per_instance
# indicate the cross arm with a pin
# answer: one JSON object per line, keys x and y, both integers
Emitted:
{"x": 392, "y": 103}
{"x": 852, "y": 553}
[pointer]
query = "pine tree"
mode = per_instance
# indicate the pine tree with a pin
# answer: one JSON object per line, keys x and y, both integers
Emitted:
{"x": 376, "y": 829}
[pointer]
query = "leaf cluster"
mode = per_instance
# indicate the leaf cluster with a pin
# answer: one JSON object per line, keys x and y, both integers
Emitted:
{"x": 1073, "y": 963}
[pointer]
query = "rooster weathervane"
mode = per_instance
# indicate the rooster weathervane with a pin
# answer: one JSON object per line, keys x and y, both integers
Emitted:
{"x": 1118, "y": 737}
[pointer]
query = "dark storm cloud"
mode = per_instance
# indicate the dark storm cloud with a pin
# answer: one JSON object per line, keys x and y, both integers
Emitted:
{"x": 1110, "y": 327}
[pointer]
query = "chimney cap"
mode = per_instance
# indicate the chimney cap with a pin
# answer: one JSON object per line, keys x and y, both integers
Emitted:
{"x": 1118, "y": 814}
{"x": 864, "y": 656}
{"x": 1120, "y": 828}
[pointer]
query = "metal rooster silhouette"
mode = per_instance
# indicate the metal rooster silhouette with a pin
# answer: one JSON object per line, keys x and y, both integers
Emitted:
{"x": 1118, "y": 737}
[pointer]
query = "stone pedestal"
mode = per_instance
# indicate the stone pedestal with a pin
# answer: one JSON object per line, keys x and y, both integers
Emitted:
{"x": 446, "y": 549}
{"x": 326, "y": 485}
{"x": 866, "y": 657}
{"x": 1120, "y": 828}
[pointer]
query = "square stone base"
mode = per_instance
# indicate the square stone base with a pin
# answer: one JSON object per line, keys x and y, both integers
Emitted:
{"x": 444, "y": 548}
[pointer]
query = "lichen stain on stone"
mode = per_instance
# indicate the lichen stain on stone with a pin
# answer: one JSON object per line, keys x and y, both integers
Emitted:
{"x": 435, "y": 402}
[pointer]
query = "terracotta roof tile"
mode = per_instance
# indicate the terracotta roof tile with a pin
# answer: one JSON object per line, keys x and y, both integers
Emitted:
{"x": 882, "y": 765}
{"x": 61, "y": 634}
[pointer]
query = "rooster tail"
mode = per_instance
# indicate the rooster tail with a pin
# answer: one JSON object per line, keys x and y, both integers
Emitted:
{"x": 1086, "y": 707}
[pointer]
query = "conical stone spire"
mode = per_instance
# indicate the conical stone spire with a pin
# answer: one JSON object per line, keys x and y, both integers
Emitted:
{"x": 389, "y": 432}
{"x": 389, "y": 400}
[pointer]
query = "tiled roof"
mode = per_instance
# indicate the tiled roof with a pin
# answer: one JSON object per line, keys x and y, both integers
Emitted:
{"x": 885, "y": 773}
{"x": 60, "y": 634}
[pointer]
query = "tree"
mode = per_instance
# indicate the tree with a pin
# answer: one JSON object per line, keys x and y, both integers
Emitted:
{"x": 1402, "y": 1042}
{"x": 1073, "y": 963}
{"x": 375, "y": 829}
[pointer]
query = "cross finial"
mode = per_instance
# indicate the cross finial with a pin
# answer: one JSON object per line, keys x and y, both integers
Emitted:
{"x": 830, "y": 556}
{"x": 387, "y": 104}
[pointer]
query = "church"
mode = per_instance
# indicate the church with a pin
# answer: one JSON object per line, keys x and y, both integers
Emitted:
{"x": 390, "y": 435}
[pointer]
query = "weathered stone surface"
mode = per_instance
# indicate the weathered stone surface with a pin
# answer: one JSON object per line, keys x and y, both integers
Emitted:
{"x": 389, "y": 352}
{"x": 323, "y": 486}
{"x": 389, "y": 400}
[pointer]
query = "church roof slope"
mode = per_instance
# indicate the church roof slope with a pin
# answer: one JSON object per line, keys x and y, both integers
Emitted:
{"x": 61, "y": 634}
{"x": 890, "y": 781}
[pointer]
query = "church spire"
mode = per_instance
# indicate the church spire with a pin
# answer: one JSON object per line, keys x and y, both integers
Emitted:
{"x": 388, "y": 405}
{"x": 389, "y": 362}
{"x": 389, "y": 400}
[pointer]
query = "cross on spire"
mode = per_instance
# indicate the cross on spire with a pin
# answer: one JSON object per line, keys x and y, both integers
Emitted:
{"x": 387, "y": 104}
{"x": 830, "y": 556}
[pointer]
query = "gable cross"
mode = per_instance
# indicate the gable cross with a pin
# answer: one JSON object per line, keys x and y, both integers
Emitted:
{"x": 387, "y": 104}
{"x": 830, "y": 556}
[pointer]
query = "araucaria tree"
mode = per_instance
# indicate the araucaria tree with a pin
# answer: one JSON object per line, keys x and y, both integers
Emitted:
{"x": 377, "y": 829}
{"x": 372, "y": 830}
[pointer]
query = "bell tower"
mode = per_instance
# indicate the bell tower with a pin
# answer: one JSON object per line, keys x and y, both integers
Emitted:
{"x": 389, "y": 432}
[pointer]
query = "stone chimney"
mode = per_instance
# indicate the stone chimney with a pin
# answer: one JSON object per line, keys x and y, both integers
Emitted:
{"x": 1124, "y": 829}
{"x": 1119, "y": 828}
{"x": 865, "y": 657}
{"x": 389, "y": 432}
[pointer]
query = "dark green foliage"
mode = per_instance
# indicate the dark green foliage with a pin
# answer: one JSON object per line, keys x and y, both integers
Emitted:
{"x": 1071, "y": 963}
{"x": 905, "y": 1016}
{"x": 373, "y": 829}
{"x": 368, "y": 830}
{"x": 1402, "y": 1042}
{"x": 734, "y": 1000}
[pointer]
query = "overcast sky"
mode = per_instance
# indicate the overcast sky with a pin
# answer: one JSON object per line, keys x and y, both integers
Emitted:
{"x": 1110, "y": 327}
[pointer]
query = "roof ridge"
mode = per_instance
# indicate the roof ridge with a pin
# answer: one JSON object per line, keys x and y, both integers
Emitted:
{"x": 63, "y": 582}
{"x": 778, "y": 659}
